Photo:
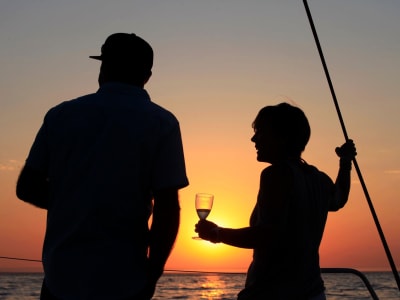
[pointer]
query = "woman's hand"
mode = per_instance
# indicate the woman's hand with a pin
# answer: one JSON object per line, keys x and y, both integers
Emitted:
{"x": 347, "y": 151}
{"x": 207, "y": 230}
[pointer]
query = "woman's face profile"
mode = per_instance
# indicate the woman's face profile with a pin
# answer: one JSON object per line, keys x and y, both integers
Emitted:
{"x": 266, "y": 144}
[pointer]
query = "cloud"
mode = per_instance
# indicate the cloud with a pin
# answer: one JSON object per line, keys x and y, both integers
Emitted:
{"x": 10, "y": 165}
{"x": 392, "y": 172}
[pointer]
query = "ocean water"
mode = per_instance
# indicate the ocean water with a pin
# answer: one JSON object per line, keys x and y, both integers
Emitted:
{"x": 214, "y": 286}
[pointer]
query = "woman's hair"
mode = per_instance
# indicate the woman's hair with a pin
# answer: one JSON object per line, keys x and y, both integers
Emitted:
{"x": 286, "y": 122}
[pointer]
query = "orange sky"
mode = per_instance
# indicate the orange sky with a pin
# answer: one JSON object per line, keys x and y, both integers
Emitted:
{"x": 217, "y": 63}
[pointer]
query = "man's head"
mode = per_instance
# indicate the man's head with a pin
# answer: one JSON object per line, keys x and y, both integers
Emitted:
{"x": 125, "y": 58}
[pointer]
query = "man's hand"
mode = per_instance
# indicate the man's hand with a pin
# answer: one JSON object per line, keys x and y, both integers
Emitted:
{"x": 147, "y": 293}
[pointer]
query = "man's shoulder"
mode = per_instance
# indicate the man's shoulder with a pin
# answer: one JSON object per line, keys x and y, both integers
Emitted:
{"x": 79, "y": 101}
{"x": 68, "y": 106}
{"x": 162, "y": 111}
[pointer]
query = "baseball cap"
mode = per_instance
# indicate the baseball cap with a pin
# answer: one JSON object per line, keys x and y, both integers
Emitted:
{"x": 126, "y": 48}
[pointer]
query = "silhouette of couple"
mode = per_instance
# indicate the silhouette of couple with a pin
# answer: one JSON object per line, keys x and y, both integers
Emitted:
{"x": 103, "y": 163}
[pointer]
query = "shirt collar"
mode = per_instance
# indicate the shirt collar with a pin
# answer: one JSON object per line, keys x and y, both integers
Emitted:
{"x": 123, "y": 88}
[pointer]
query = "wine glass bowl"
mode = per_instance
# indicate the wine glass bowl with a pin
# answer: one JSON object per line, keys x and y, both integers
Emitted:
{"x": 203, "y": 204}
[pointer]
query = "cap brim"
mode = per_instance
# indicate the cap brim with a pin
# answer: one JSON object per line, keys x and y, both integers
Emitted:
{"x": 96, "y": 57}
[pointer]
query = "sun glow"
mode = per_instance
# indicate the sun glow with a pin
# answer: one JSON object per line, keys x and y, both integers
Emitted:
{"x": 200, "y": 255}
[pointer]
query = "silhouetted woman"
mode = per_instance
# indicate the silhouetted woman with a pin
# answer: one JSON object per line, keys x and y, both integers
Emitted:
{"x": 288, "y": 220}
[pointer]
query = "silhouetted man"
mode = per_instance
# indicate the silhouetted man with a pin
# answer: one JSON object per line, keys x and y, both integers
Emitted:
{"x": 101, "y": 164}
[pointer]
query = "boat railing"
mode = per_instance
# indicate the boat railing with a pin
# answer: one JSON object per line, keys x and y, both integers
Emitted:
{"x": 354, "y": 272}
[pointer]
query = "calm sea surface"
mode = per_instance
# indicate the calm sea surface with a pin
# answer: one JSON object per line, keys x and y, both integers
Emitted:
{"x": 195, "y": 286}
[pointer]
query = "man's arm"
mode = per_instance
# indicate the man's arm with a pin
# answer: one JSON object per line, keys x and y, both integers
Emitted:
{"x": 33, "y": 187}
{"x": 163, "y": 232}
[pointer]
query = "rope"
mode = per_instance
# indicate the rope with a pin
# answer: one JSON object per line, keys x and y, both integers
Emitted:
{"x": 16, "y": 258}
{"x": 364, "y": 187}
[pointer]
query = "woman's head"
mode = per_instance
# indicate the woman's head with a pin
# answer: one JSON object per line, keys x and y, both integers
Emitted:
{"x": 281, "y": 131}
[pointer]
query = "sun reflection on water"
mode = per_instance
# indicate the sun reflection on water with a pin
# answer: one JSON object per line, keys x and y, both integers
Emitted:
{"x": 212, "y": 287}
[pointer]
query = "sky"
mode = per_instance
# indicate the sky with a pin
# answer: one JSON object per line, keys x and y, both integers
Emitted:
{"x": 217, "y": 63}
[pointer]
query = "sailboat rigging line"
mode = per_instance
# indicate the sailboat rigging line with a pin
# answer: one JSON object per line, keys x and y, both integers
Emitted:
{"x": 16, "y": 258}
{"x": 364, "y": 187}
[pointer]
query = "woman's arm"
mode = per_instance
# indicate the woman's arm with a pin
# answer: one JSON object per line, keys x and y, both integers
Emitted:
{"x": 272, "y": 205}
{"x": 247, "y": 237}
{"x": 346, "y": 152}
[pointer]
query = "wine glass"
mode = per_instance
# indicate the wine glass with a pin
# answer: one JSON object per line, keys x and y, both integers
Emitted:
{"x": 203, "y": 204}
